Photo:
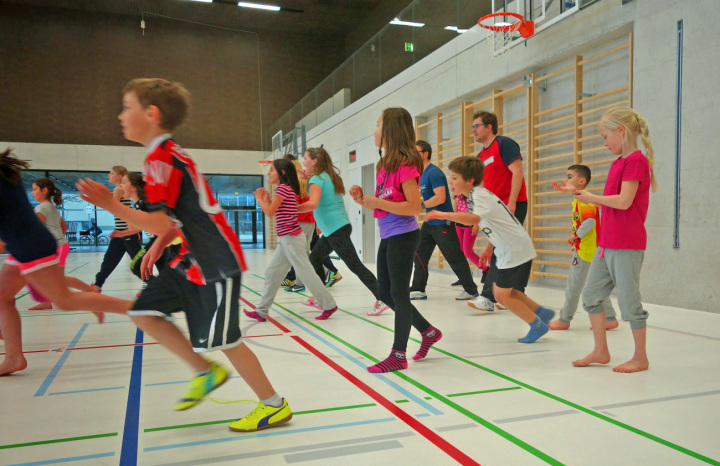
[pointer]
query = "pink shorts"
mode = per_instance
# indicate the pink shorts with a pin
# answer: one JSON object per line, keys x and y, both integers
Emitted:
{"x": 59, "y": 258}
{"x": 29, "y": 267}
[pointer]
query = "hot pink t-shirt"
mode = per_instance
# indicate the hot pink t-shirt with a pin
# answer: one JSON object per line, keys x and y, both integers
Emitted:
{"x": 625, "y": 229}
{"x": 389, "y": 187}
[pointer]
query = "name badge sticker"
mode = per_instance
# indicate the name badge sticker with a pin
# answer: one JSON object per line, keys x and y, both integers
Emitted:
{"x": 488, "y": 161}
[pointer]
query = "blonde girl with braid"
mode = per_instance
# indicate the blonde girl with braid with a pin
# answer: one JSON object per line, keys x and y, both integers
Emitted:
{"x": 622, "y": 239}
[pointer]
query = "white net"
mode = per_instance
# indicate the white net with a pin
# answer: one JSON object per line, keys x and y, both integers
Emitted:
{"x": 501, "y": 31}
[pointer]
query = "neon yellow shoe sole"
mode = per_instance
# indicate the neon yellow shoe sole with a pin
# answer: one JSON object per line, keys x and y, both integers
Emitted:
{"x": 263, "y": 417}
{"x": 201, "y": 385}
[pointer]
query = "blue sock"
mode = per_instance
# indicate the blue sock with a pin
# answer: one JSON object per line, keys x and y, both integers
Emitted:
{"x": 545, "y": 314}
{"x": 538, "y": 328}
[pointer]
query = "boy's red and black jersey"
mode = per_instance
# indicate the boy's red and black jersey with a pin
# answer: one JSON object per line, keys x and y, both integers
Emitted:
{"x": 210, "y": 249}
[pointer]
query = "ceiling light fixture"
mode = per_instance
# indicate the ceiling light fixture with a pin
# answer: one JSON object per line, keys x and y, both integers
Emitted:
{"x": 204, "y": 1}
{"x": 397, "y": 22}
{"x": 259, "y": 6}
{"x": 454, "y": 28}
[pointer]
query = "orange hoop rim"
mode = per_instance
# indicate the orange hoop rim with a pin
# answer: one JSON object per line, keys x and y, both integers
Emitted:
{"x": 264, "y": 161}
{"x": 526, "y": 28}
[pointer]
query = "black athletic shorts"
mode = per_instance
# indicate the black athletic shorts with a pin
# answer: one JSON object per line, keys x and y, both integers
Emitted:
{"x": 212, "y": 310}
{"x": 514, "y": 277}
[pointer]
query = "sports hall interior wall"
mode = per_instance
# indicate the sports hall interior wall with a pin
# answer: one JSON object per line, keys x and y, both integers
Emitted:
{"x": 463, "y": 69}
{"x": 63, "y": 71}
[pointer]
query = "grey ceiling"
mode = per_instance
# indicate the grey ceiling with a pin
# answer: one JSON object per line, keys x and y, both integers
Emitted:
{"x": 336, "y": 18}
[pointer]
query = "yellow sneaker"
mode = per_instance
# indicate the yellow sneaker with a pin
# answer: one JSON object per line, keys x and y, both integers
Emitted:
{"x": 263, "y": 417}
{"x": 201, "y": 385}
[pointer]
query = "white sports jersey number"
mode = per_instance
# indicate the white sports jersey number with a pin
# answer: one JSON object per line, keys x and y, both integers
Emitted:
{"x": 508, "y": 211}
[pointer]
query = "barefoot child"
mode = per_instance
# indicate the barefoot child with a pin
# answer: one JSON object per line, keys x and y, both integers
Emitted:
{"x": 512, "y": 245}
{"x": 205, "y": 282}
{"x": 32, "y": 259}
{"x": 48, "y": 195}
{"x": 623, "y": 239}
{"x": 291, "y": 243}
{"x": 583, "y": 241}
{"x": 396, "y": 203}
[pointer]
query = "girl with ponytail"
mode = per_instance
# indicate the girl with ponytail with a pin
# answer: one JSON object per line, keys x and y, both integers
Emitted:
{"x": 326, "y": 199}
{"x": 49, "y": 196}
{"x": 396, "y": 203}
{"x": 622, "y": 240}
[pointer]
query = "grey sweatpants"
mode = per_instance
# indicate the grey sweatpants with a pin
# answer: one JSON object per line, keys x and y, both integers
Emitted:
{"x": 307, "y": 230}
{"x": 618, "y": 268}
{"x": 574, "y": 287}
{"x": 290, "y": 251}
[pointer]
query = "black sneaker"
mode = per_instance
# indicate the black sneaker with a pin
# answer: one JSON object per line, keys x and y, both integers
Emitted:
{"x": 457, "y": 283}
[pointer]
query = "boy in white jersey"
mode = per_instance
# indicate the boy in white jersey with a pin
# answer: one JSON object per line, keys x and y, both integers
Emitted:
{"x": 513, "y": 246}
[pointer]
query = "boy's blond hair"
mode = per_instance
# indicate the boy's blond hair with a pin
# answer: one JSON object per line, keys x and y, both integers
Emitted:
{"x": 172, "y": 98}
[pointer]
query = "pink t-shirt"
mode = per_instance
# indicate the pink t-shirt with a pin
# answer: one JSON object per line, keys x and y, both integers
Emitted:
{"x": 389, "y": 188}
{"x": 625, "y": 229}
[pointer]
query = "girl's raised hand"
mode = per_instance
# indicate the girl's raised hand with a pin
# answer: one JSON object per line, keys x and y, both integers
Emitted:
{"x": 583, "y": 196}
{"x": 261, "y": 194}
{"x": 356, "y": 192}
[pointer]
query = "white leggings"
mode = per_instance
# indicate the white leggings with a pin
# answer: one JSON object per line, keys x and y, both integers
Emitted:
{"x": 290, "y": 251}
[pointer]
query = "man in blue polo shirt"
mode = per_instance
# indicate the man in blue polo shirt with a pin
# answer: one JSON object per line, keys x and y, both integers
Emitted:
{"x": 441, "y": 233}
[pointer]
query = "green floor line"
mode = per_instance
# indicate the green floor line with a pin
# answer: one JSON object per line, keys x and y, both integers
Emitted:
{"x": 27, "y": 293}
{"x": 591, "y": 412}
{"x": 485, "y": 391}
{"x": 312, "y": 411}
{"x": 59, "y": 440}
{"x": 322, "y": 410}
{"x": 511, "y": 438}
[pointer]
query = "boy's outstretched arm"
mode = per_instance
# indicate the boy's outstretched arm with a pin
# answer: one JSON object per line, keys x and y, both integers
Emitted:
{"x": 96, "y": 193}
{"x": 466, "y": 218}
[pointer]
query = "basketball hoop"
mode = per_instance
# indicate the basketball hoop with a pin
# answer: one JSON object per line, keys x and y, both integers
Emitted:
{"x": 502, "y": 28}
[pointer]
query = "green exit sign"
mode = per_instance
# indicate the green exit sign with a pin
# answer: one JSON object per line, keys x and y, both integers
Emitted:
{"x": 408, "y": 46}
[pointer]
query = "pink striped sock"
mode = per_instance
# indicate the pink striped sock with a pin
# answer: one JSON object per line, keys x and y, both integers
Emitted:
{"x": 429, "y": 337}
{"x": 395, "y": 362}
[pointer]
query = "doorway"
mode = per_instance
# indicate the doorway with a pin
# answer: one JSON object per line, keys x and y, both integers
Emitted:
{"x": 368, "y": 222}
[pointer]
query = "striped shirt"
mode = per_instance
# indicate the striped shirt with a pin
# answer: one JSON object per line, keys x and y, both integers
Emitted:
{"x": 120, "y": 224}
{"x": 286, "y": 217}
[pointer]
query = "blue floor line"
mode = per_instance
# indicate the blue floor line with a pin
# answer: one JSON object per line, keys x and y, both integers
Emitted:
{"x": 58, "y": 365}
{"x": 182, "y": 381}
{"x": 85, "y": 391}
{"x": 129, "y": 450}
{"x": 65, "y": 460}
{"x": 271, "y": 433}
{"x": 359, "y": 363}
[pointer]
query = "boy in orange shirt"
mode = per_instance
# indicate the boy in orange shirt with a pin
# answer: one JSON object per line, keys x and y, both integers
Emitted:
{"x": 586, "y": 225}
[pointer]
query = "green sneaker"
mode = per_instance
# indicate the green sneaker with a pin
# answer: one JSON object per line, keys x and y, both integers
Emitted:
{"x": 263, "y": 417}
{"x": 201, "y": 385}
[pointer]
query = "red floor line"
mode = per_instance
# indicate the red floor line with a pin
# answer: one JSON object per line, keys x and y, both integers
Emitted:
{"x": 274, "y": 322}
{"x": 419, "y": 427}
{"x": 135, "y": 344}
{"x": 27, "y": 352}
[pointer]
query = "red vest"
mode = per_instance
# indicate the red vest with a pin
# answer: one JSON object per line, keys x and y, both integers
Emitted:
{"x": 498, "y": 177}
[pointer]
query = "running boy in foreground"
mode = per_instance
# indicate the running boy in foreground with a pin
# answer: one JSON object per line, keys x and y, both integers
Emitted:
{"x": 206, "y": 280}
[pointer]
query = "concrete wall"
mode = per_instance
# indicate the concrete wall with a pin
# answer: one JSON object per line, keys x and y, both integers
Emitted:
{"x": 462, "y": 69}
